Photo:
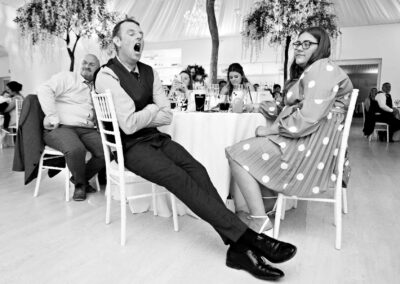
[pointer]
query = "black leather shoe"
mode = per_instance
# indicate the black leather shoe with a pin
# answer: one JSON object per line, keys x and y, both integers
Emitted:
{"x": 274, "y": 250}
{"x": 79, "y": 193}
{"x": 90, "y": 189}
{"x": 252, "y": 262}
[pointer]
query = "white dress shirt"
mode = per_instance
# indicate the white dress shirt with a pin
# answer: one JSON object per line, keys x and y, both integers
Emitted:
{"x": 66, "y": 99}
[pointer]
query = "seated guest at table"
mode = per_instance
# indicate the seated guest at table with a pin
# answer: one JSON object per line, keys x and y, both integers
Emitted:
{"x": 8, "y": 103}
{"x": 200, "y": 77}
{"x": 70, "y": 123}
{"x": 236, "y": 76}
{"x": 384, "y": 110}
{"x": 197, "y": 74}
{"x": 141, "y": 107}
{"x": 181, "y": 88}
{"x": 369, "y": 116}
{"x": 371, "y": 96}
{"x": 286, "y": 157}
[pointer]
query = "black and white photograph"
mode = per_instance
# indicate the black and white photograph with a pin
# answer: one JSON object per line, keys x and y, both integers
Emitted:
{"x": 199, "y": 141}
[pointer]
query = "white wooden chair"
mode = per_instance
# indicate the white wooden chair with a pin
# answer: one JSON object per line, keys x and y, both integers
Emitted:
{"x": 49, "y": 154}
{"x": 13, "y": 128}
{"x": 340, "y": 193}
{"x": 379, "y": 126}
{"x": 116, "y": 172}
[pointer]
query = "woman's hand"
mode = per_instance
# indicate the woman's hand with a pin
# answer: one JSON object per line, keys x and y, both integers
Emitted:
{"x": 262, "y": 131}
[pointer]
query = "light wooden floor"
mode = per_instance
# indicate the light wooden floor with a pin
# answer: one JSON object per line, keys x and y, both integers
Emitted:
{"x": 47, "y": 240}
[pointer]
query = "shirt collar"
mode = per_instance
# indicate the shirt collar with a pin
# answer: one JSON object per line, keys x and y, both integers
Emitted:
{"x": 136, "y": 70}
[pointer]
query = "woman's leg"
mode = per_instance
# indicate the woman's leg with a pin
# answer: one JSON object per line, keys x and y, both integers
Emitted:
{"x": 249, "y": 187}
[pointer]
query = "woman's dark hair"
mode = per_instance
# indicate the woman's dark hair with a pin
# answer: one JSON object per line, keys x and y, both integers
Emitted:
{"x": 190, "y": 87}
{"x": 235, "y": 67}
{"x": 14, "y": 86}
{"x": 198, "y": 70}
{"x": 323, "y": 51}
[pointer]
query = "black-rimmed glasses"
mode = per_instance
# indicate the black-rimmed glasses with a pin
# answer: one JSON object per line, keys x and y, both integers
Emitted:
{"x": 305, "y": 44}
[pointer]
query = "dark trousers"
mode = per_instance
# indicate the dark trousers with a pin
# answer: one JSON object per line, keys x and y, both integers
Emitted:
{"x": 168, "y": 164}
{"x": 74, "y": 143}
{"x": 6, "y": 115}
{"x": 389, "y": 118}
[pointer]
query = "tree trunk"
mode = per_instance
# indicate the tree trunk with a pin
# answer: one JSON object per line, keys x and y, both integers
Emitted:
{"x": 285, "y": 63}
{"x": 212, "y": 25}
{"x": 71, "y": 52}
{"x": 72, "y": 58}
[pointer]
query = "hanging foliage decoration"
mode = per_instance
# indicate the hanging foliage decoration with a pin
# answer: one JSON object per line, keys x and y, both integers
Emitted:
{"x": 43, "y": 21}
{"x": 276, "y": 22}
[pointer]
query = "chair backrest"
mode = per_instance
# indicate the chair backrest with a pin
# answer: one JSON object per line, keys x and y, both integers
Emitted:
{"x": 108, "y": 126}
{"x": 345, "y": 137}
{"x": 18, "y": 107}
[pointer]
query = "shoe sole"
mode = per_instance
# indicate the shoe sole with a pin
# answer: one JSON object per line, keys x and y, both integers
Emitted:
{"x": 235, "y": 266}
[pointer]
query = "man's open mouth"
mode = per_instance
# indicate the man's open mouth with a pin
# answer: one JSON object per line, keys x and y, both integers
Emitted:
{"x": 137, "y": 47}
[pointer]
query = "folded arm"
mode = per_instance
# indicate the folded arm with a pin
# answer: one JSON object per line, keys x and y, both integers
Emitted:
{"x": 129, "y": 119}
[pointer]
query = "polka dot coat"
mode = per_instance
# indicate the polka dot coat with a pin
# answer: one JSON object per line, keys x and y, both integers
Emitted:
{"x": 301, "y": 159}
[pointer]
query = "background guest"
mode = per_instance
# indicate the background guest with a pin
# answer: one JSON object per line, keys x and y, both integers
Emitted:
{"x": 384, "y": 110}
{"x": 236, "y": 76}
{"x": 7, "y": 107}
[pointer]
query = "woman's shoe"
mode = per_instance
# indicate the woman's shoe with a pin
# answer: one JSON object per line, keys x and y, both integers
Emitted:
{"x": 261, "y": 225}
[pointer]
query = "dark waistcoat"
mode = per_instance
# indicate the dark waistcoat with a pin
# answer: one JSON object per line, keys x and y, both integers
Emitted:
{"x": 140, "y": 91}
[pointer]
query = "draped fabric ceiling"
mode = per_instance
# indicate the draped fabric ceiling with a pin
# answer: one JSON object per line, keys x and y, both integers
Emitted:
{"x": 163, "y": 20}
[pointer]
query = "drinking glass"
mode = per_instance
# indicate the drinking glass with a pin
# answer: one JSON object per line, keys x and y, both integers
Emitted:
{"x": 225, "y": 103}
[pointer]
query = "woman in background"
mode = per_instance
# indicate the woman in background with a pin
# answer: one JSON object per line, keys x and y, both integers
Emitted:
{"x": 7, "y": 107}
{"x": 182, "y": 87}
{"x": 236, "y": 76}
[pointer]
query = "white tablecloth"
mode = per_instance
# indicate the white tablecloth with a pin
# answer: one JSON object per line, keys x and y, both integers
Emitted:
{"x": 205, "y": 136}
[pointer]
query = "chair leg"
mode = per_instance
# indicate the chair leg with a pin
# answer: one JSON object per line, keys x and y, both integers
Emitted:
{"x": 67, "y": 187}
{"x": 39, "y": 176}
{"x": 387, "y": 134}
{"x": 295, "y": 204}
{"x": 97, "y": 182}
{"x": 338, "y": 218}
{"x": 345, "y": 209}
{"x": 153, "y": 198}
{"x": 174, "y": 212}
{"x": 123, "y": 213}
{"x": 278, "y": 215}
{"x": 283, "y": 209}
{"x": 108, "y": 200}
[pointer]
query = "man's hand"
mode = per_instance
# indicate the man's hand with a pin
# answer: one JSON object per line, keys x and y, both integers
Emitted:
{"x": 50, "y": 126}
{"x": 396, "y": 113}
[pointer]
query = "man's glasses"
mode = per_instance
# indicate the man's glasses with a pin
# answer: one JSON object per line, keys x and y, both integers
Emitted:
{"x": 305, "y": 44}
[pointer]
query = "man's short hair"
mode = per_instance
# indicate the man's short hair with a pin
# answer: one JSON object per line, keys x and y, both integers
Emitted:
{"x": 117, "y": 26}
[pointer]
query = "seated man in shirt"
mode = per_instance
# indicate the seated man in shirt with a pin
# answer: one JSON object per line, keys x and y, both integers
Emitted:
{"x": 141, "y": 106}
{"x": 384, "y": 110}
{"x": 70, "y": 123}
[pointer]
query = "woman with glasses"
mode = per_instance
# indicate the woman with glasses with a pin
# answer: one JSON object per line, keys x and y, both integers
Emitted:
{"x": 296, "y": 155}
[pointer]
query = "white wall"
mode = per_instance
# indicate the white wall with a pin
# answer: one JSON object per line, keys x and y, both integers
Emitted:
{"x": 381, "y": 41}
{"x": 4, "y": 66}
